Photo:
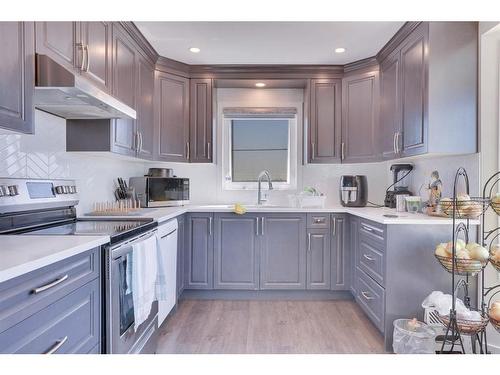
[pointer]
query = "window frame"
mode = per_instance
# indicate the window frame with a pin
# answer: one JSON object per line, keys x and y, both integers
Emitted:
{"x": 228, "y": 184}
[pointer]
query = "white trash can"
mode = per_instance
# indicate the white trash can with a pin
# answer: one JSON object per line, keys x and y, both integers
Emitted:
{"x": 413, "y": 337}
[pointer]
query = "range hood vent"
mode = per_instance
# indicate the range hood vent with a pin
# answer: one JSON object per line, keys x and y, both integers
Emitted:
{"x": 70, "y": 96}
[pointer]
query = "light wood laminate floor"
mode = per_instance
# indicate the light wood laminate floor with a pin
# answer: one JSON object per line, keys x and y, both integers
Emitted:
{"x": 262, "y": 327}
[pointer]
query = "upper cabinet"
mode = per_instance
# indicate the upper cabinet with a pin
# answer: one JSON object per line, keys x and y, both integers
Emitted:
{"x": 96, "y": 61}
{"x": 145, "y": 108}
{"x": 360, "y": 97}
{"x": 429, "y": 91}
{"x": 59, "y": 41}
{"x": 172, "y": 117}
{"x": 325, "y": 121}
{"x": 200, "y": 121}
{"x": 17, "y": 76}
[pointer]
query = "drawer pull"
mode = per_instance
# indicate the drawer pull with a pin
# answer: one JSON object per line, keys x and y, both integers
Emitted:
{"x": 368, "y": 229}
{"x": 367, "y": 296}
{"x": 318, "y": 220}
{"x": 50, "y": 285}
{"x": 367, "y": 257}
{"x": 57, "y": 346}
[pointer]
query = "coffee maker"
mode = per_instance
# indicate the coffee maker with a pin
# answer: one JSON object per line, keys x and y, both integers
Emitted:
{"x": 353, "y": 191}
{"x": 400, "y": 183}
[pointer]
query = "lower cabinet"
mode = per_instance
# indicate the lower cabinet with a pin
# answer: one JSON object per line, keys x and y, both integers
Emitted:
{"x": 200, "y": 251}
{"x": 340, "y": 255}
{"x": 236, "y": 251}
{"x": 283, "y": 252}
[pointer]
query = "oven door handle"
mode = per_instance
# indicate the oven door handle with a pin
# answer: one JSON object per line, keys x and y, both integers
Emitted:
{"x": 117, "y": 251}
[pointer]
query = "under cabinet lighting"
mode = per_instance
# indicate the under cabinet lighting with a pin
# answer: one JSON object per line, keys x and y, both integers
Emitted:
{"x": 339, "y": 50}
{"x": 260, "y": 84}
{"x": 195, "y": 49}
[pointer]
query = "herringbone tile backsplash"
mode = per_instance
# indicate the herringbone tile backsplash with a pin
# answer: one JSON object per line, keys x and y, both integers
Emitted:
{"x": 44, "y": 155}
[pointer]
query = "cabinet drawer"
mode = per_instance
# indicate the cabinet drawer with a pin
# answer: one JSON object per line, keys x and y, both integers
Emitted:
{"x": 318, "y": 221}
{"x": 373, "y": 230}
{"x": 70, "y": 325}
{"x": 371, "y": 298}
{"x": 371, "y": 259}
{"x": 27, "y": 294}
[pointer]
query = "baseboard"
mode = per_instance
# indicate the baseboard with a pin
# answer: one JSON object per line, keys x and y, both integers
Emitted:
{"x": 305, "y": 295}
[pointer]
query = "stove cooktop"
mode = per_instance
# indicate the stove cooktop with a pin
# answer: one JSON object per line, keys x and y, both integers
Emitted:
{"x": 118, "y": 230}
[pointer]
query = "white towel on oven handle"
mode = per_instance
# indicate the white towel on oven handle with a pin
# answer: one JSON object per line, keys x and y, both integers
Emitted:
{"x": 144, "y": 274}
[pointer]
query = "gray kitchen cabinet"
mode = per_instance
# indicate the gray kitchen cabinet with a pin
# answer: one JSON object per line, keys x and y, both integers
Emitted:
{"x": 360, "y": 111}
{"x": 236, "y": 251}
{"x": 124, "y": 136}
{"x": 200, "y": 251}
{"x": 70, "y": 325}
{"x": 59, "y": 41}
{"x": 17, "y": 76}
{"x": 318, "y": 259}
{"x": 340, "y": 255}
{"x": 324, "y": 145}
{"x": 390, "y": 109}
{"x": 414, "y": 94}
{"x": 172, "y": 118}
{"x": 56, "y": 307}
{"x": 353, "y": 246}
{"x": 200, "y": 122}
{"x": 145, "y": 108}
{"x": 95, "y": 39}
{"x": 283, "y": 251}
{"x": 181, "y": 253}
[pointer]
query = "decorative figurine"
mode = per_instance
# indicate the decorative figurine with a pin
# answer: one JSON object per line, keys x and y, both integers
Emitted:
{"x": 435, "y": 190}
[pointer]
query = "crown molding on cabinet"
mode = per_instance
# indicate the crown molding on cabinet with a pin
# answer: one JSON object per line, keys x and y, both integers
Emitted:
{"x": 142, "y": 42}
{"x": 397, "y": 39}
{"x": 369, "y": 63}
{"x": 166, "y": 65}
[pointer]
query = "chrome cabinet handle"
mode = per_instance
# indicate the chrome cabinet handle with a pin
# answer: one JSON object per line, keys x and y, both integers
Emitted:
{"x": 50, "y": 285}
{"x": 368, "y": 229}
{"x": 319, "y": 220}
{"x": 397, "y": 142}
{"x": 209, "y": 150}
{"x": 367, "y": 257}
{"x": 88, "y": 58}
{"x": 312, "y": 151}
{"x": 82, "y": 66}
{"x": 262, "y": 226}
{"x": 309, "y": 242}
{"x": 57, "y": 345}
{"x": 334, "y": 226}
{"x": 367, "y": 296}
{"x": 188, "y": 151}
{"x": 140, "y": 142}
{"x": 257, "y": 226}
{"x": 210, "y": 226}
{"x": 342, "y": 151}
{"x": 394, "y": 142}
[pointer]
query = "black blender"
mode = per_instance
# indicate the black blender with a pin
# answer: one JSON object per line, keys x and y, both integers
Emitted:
{"x": 399, "y": 185}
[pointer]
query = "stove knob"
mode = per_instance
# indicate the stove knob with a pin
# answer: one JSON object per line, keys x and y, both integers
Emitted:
{"x": 3, "y": 190}
{"x": 59, "y": 190}
{"x": 13, "y": 190}
{"x": 72, "y": 189}
{"x": 66, "y": 189}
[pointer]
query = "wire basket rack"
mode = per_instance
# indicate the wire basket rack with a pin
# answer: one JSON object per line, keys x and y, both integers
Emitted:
{"x": 466, "y": 326}
{"x": 463, "y": 267}
{"x": 471, "y": 208}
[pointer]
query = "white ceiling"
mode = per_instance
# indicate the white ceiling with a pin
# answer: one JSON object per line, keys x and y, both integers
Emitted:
{"x": 268, "y": 42}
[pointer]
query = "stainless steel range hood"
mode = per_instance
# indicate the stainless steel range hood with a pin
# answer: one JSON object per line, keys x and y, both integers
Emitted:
{"x": 68, "y": 95}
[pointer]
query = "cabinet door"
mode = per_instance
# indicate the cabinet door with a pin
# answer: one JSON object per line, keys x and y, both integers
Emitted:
{"x": 181, "y": 251}
{"x": 145, "y": 109}
{"x": 95, "y": 38}
{"x": 17, "y": 76}
{"x": 236, "y": 252}
{"x": 124, "y": 82}
{"x": 390, "y": 106}
{"x": 283, "y": 252}
{"x": 325, "y": 121}
{"x": 414, "y": 94}
{"x": 360, "y": 95}
{"x": 58, "y": 40}
{"x": 353, "y": 248}
{"x": 200, "y": 128}
{"x": 318, "y": 259}
{"x": 200, "y": 251}
{"x": 172, "y": 123}
{"x": 340, "y": 260}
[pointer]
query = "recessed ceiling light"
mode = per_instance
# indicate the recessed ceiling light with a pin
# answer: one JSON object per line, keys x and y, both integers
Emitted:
{"x": 195, "y": 49}
{"x": 339, "y": 50}
{"x": 260, "y": 84}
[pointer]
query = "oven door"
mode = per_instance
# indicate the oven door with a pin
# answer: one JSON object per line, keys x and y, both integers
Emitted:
{"x": 167, "y": 191}
{"x": 122, "y": 337}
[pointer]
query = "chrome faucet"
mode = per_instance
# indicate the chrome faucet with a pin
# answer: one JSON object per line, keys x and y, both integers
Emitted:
{"x": 263, "y": 174}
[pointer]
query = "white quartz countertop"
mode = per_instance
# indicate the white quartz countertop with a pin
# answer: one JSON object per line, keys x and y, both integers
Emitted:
{"x": 371, "y": 213}
{"x": 22, "y": 254}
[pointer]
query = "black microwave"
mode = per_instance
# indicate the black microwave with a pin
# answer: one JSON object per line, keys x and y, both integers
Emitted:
{"x": 161, "y": 191}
